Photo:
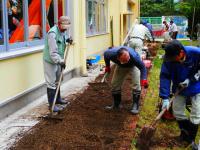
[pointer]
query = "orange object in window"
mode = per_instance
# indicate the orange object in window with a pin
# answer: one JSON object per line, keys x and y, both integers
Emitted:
{"x": 60, "y": 8}
{"x": 34, "y": 11}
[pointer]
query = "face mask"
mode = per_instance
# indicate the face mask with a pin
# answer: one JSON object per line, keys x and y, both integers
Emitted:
{"x": 122, "y": 63}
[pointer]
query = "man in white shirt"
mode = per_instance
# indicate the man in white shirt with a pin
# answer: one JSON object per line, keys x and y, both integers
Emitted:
{"x": 173, "y": 30}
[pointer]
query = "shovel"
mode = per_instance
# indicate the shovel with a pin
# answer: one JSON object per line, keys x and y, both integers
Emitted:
{"x": 104, "y": 77}
{"x": 148, "y": 132}
{"x": 53, "y": 115}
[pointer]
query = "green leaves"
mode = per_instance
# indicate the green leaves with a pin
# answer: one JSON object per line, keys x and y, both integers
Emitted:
{"x": 149, "y": 8}
{"x": 185, "y": 8}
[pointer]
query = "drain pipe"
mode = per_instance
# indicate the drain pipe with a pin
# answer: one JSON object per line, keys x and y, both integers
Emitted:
{"x": 82, "y": 39}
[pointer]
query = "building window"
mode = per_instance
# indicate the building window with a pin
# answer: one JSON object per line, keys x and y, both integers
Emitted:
{"x": 54, "y": 11}
{"x": 96, "y": 16}
{"x": 50, "y": 15}
{"x": 24, "y": 23}
{"x": 15, "y": 21}
{"x": 35, "y": 20}
{"x": 1, "y": 24}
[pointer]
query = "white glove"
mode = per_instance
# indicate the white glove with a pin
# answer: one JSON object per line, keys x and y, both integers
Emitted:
{"x": 185, "y": 83}
{"x": 165, "y": 104}
{"x": 197, "y": 76}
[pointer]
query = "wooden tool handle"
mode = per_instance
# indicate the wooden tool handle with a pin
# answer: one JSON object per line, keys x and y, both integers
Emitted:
{"x": 60, "y": 79}
{"x": 165, "y": 109}
{"x": 129, "y": 32}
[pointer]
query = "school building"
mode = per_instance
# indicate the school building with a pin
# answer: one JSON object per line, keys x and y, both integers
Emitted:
{"x": 95, "y": 26}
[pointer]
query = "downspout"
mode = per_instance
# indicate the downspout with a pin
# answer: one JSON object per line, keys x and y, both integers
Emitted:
{"x": 82, "y": 38}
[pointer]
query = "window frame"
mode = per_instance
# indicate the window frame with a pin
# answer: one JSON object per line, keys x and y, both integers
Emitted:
{"x": 102, "y": 15}
{"x": 26, "y": 43}
{"x": 27, "y": 46}
{"x": 3, "y": 46}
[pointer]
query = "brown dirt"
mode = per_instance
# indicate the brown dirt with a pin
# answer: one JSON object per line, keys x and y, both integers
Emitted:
{"x": 86, "y": 124}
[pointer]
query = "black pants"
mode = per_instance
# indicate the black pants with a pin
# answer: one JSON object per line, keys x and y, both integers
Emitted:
{"x": 174, "y": 35}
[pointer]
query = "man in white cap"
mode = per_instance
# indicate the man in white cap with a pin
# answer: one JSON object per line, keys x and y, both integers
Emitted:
{"x": 137, "y": 36}
{"x": 53, "y": 58}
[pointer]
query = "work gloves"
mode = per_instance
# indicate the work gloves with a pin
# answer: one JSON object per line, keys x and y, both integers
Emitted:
{"x": 165, "y": 104}
{"x": 107, "y": 69}
{"x": 184, "y": 84}
{"x": 69, "y": 40}
{"x": 62, "y": 64}
{"x": 196, "y": 77}
{"x": 144, "y": 83}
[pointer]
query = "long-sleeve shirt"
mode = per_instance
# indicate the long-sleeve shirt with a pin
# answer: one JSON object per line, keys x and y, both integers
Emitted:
{"x": 53, "y": 48}
{"x": 173, "y": 28}
{"x": 140, "y": 31}
{"x": 135, "y": 60}
{"x": 174, "y": 72}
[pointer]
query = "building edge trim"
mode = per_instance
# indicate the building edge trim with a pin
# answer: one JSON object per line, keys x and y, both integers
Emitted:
{"x": 13, "y": 104}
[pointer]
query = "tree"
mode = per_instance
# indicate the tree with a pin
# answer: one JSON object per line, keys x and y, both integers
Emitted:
{"x": 190, "y": 9}
{"x": 187, "y": 8}
{"x": 156, "y": 9}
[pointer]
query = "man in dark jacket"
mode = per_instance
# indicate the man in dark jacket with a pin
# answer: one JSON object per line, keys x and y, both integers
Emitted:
{"x": 126, "y": 59}
{"x": 181, "y": 67}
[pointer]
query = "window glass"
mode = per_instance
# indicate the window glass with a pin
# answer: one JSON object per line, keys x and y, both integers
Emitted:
{"x": 15, "y": 20}
{"x": 129, "y": 17}
{"x": 1, "y": 24}
{"x": 91, "y": 17}
{"x": 35, "y": 19}
{"x": 60, "y": 8}
{"x": 54, "y": 9}
{"x": 50, "y": 14}
{"x": 96, "y": 16}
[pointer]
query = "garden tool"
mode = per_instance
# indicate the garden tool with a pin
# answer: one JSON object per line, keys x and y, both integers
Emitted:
{"x": 53, "y": 115}
{"x": 104, "y": 77}
{"x": 148, "y": 132}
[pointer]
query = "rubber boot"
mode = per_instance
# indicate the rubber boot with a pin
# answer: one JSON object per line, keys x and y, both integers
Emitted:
{"x": 188, "y": 133}
{"x": 136, "y": 102}
{"x": 59, "y": 100}
{"x": 184, "y": 127}
{"x": 192, "y": 135}
{"x": 116, "y": 102}
{"x": 51, "y": 94}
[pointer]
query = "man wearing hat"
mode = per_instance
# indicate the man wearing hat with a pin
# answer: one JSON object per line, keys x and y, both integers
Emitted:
{"x": 181, "y": 70}
{"x": 53, "y": 59}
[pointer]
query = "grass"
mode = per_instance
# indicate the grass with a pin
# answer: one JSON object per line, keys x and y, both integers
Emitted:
{"x": 190, "y": 43}
{"x": 165, "y": 129}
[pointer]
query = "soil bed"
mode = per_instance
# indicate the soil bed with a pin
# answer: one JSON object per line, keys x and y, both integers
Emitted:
{"x": 86, "y": 124}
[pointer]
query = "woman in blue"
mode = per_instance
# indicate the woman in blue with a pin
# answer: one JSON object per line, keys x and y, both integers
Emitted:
{"x": 181, "y": 68}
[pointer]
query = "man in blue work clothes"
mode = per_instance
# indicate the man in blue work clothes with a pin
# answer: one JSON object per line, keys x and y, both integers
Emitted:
{"x": 181, "y": 67}
{"x": 126, "y": 59}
